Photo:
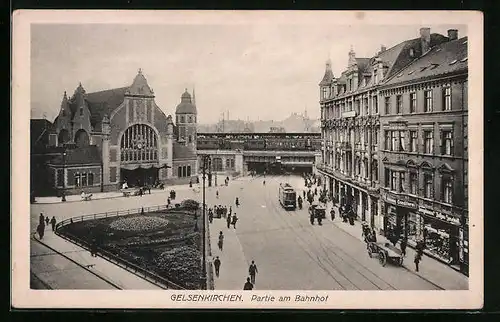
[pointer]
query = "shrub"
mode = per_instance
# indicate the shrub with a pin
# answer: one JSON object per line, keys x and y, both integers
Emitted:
{"x": 181, "y": 264}
{"x": 190, "y": 204}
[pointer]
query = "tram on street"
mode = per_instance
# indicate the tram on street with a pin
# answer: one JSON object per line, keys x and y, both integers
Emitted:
{"x": 287, "y": 196}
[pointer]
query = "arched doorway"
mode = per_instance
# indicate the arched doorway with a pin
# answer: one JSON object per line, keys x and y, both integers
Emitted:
{"x": 63, "y": 137}
{"x": 139, "y": 155}
{"x": 82, "y": 138}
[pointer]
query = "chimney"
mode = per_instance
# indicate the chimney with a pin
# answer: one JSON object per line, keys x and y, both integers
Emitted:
{"x": 425, "y": 39}
{"x": 383, "y": 48}
{"x": 453, "y": 34}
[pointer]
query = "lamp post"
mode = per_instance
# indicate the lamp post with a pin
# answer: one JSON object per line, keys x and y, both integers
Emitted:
{"x": 206, "y": 160}
{"x": 63, "y": 199}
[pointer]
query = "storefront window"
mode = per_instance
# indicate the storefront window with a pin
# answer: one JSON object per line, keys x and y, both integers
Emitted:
{"x": 441, "y": 239}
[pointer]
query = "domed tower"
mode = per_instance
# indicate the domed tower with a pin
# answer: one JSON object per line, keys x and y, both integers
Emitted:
{"x": 185, "y": 121}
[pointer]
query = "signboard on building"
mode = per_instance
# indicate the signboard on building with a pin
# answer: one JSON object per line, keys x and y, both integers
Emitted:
{"x": 349, "y": 114}
{"x": 401, "y": 201}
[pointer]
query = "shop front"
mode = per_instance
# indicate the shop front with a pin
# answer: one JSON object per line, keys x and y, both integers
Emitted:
{"x": 401, "y": 217}
{"x": 443, "y": 236}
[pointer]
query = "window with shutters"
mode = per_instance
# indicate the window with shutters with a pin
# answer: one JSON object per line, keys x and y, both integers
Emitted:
{"x": 428, "y": 183}
{"x": 387, "y": 140}
{"x": 447, "y": 98}
{"x": 399, "y": 104}
{"x": 413, "y": 141}
{"x": 413, "y": 183}
{"x": 402, "y": 176}
{"x": 394, "y": 180}
{"x": 387, "y": 105}
{"x": 387, "y": 177}
{"x": 402, "y": 142}
{"x": 394, "y": 140}
{"x": 428, "y": 101}
{"x": 447, "y": 187}
{"x": 428, "y": 142}
{"x": 413, "y": 102}
{"x": 446, "y": 142}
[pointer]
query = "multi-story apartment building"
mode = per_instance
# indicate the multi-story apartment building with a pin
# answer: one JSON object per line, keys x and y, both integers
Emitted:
{"x": 424, "y": 154}
{"x": 351, "y": 127}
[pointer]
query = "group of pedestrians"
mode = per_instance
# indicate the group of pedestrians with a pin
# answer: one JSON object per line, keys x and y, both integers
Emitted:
{"x": 44, "y": 221}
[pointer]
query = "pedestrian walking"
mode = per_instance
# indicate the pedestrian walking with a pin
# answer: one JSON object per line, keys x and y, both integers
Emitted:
{"x": 40, "y": 230}
{"x": 248, "y": 285}
{"x": 53, "y": 223}
{"x": 221, "y": 240}
{"x": 93, "y": 248}
{"x": 332, "y": 213}
{"x": 41, "y": 219}
{"x": 47, "y": 221}
{"x": 403, "y": 246}
{"x": 252, "y": 270}
{"x": 417, "y": 260}
{"x": 234, "y": 220}
{"x": 210, "y": 217}
{"x": 217, "y": 266}
{"x": 228, "y": 220}
{"x": 217, "y": 194}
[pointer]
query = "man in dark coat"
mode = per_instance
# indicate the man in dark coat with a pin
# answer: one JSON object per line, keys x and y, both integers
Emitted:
{"x": 53, "y": 223}
{"x": 252, "y": 270}
{"x": 248, "y": 285}
{"x": 403, "y": 246}
{"x": 217, "y": 266}
{"x": 228, "y": 220}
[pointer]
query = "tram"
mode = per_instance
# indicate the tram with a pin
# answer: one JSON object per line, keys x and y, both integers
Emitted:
{"x": 287, "y": 196}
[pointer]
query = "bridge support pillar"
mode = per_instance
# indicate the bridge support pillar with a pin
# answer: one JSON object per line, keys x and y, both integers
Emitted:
{"x": 239, "y": 166}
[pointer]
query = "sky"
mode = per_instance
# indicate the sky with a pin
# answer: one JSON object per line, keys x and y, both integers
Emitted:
{"x": 256, "y": 72}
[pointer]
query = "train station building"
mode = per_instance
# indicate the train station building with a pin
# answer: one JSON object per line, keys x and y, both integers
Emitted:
{"x": 100, "y": 140}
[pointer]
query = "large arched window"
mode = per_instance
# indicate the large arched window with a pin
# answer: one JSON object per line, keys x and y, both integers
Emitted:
{"x": 139, "y": 143}
{"x": 81, "y": 138}
{"x": 63, "y": 137}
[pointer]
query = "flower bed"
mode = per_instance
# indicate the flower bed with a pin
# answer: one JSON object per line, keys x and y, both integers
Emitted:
{"x": 142, "y": 223}
{"x": 164, "y": 242}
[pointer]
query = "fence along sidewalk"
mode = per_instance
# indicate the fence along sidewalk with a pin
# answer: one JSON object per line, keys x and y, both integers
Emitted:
{"x": 131, "y": 267}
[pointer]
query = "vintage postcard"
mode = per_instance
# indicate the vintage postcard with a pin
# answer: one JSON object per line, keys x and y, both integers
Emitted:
{"x": 222, "y": 159}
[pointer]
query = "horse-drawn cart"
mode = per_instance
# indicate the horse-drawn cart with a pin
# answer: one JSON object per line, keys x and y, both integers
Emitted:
{"x": 385, "y": 252}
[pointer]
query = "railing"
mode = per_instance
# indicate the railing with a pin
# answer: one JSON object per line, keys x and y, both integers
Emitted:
{"x": 131, "y": 267}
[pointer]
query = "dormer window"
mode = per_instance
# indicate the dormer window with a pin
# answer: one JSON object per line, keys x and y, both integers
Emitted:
{"x": 453, "y": 62}
{"x": 375, "y": 76}
{"x": 464, "y": 60}
{"x": 81, "y": 110}
{"x": 63, "y": 112}
{"x": 412, "y": 52}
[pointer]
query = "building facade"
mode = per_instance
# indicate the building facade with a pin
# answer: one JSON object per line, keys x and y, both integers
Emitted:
{"x": 365, "y": 117}
{"x": 120, "y": 135}
{"x": 424, "y": 168}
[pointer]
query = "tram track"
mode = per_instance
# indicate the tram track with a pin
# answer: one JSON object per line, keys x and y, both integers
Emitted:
{"x": 328, "y": 248}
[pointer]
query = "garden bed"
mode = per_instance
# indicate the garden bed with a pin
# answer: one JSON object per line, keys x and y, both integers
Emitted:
{"x": 167, "y": 243}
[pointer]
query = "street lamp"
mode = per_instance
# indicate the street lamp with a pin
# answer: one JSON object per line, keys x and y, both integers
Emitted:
{"x": 206, "y": 160}
{"x": 64, "y": 176}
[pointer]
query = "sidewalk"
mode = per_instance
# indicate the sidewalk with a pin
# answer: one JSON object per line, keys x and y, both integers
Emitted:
{"x": 234, "y": 266}
{"x": 430, "y": 269}
{"x": 119, "y": 194}
{"x": 101, "y": 267}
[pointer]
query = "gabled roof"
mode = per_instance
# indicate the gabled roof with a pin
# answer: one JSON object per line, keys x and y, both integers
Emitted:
{"x": 362, "y": 64}
{"x": 84, "y": 155}
{"x": 104, "y": 103}
{"x": 448, "y": 57}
